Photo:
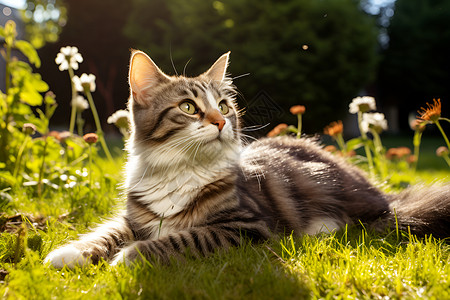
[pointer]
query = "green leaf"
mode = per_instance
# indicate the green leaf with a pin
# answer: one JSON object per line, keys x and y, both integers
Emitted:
{"x": 31, "y": 97}
{"x": 28, "y": 50}
{"x": 354, "y": 144}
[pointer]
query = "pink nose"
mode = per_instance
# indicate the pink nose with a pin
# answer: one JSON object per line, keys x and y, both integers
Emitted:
{"x": 219, "y": 123}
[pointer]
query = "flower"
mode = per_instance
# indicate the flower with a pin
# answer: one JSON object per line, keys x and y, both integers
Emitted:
{"x": 330, "y": 148}
{"x": 334, "y": 128}
{"x": 90, "y": 138}
{"x": 432, "y": 113}
{"x": 85, "y": 82}
{"x": 374, "y": 121}
{"x": 417, "y": 124}
{"x": 80, "y": 103}
{"x": 277, "y": 130}
{"x": 29, "y": 128}
{"x": 119, "y": 118}
{"x": 68, "y": 57}
{"x": 297, "y": 110}
{"x": 442, "y": 151}
{"x": 398, "y": 152}
{"x": 362, "y": 104}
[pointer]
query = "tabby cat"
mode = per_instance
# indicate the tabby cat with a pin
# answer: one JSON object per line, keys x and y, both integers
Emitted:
{"x": 192, "y": 187}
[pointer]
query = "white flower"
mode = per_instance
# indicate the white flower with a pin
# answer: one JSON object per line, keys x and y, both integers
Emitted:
{"x": 84, "y": 82}
{"x": 80, "y": 103}
{"x": 120, "y": 118}
{"x": 362, "y": 104}
{"x": 68, "y": 56}
{"x": 375, "y": 121}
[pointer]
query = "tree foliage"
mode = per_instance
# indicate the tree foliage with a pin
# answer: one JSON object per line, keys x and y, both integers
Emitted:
{"x": 415, "y": 67}
{"x": 316, "y": 53}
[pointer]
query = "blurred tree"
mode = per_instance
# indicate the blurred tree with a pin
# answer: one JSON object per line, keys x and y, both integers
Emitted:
{"x": 416, "y": 67}
{"x": 95, "y": 27}
{"x": 44, "y": 20}
{"x": 316, "y": 53}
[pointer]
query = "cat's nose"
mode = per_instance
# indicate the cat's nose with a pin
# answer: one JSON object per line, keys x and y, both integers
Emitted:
{"x": 219, "y": 123}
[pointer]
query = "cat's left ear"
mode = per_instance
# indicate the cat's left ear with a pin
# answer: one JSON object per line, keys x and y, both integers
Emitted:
{"x": 219, "y": 68}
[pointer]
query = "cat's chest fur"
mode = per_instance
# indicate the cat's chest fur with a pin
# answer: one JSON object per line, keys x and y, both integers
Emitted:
{"x": 177, "y": 197}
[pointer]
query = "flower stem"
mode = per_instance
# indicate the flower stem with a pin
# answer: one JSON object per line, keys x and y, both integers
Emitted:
{"x": 80, "y": 123}
{"x": 378, "y": 152}
{"x": 341, "y": 143}
{"x": 90, "y": 166}
{"x": 19, "y": 156}
{"x": 416, "y": 142}
{"x": 366, "y": 146}
{"x": 447, "y": 159}
{"x": 443, "y": 133}
{"x": 41, "y": 169}
{"x": 74, "y": 95}
{"x": 299, "y": 127}
{"x": 97, "y": 123}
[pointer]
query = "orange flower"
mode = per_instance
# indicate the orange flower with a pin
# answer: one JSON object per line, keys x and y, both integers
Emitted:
{"x": 297, "y": 110}
{"x": 330, "y": 148}
{"x": 277, "y": 130}
{"x": 90, "y": 138}
{"x": 432, "y": 113}
{"x": 442, "y": 151}
{"x": 398, "y": 152}
{"x": 334, "y": 128}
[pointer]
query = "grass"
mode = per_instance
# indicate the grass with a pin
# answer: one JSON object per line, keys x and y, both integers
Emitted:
{"x": 351, "y": 263}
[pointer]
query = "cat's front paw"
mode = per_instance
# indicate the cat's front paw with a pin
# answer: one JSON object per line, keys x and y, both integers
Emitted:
{"x": 69, "y": 256}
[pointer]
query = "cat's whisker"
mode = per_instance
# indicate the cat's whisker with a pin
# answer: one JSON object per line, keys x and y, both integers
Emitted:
{"x": 171, "y": 59}
{"x": 239, "y": 76}
{"x": 254, "y": 127}
{"x": 184, "y": 69}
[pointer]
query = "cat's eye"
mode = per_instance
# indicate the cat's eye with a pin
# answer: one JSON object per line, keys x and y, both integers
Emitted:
{"x": 188, "y": 107}
{"x": 223, "y": 107}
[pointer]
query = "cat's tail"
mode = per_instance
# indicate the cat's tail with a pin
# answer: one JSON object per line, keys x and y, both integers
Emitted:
{"x": 423, "y": 210}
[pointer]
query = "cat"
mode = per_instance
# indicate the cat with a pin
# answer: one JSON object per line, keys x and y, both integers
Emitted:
{"x": 193, "y": 187}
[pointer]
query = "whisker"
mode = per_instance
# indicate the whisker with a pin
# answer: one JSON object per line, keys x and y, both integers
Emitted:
{"x": 171, "y": 59}
{"x": 184, "y": 69}
{"x": 239, "y": 76}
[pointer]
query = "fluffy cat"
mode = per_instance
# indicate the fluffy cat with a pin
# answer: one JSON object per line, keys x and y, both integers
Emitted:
{"x": 192, "y": 187}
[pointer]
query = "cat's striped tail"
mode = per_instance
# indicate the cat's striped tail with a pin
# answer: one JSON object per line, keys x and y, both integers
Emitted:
{"x": 424, "y": 210}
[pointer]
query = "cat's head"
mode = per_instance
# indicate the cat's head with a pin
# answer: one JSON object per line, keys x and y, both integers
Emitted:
{"x": 185, "y": 118}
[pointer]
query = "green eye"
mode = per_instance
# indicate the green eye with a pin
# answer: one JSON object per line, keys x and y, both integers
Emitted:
{"x": 188, "y": 107}
{"x": 223, "y": 107}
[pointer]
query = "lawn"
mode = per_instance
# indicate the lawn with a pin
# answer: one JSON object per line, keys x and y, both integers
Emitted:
{"x": 351, "y": 263}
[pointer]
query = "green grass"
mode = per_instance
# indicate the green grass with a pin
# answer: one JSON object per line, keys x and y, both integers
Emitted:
{"x": 352, "y": 263}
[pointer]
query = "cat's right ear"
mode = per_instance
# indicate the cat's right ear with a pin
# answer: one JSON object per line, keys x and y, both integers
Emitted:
{"x": 144, "y": 76}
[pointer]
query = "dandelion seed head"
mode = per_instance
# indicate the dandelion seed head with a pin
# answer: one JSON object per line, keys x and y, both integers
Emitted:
{"x": 84, "y": 83}
{"x": 80, "y": 103}
{"x": 120, "y": 118}
{"x": 362, "y": 104}
{"x": 374, "y": 121}
{"x": 68, "y": 56}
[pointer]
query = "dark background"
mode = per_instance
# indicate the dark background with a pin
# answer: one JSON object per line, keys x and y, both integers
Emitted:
{"x": 317, "y": 53}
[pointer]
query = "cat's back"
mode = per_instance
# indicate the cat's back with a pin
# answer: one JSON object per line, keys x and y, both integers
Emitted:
{"x": 295, "y": 184}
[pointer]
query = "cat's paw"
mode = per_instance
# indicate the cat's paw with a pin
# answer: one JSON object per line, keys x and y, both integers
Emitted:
{"x": 69, "y": 256}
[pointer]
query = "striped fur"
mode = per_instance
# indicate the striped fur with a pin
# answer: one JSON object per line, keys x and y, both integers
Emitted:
{"x": 192, "y": 188}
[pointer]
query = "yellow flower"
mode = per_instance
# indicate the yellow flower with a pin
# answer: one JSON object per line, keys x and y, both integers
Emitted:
{"x": 432, "y": 113}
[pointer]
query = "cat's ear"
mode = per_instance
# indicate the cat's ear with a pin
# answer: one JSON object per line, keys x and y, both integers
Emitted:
{"x": 219, "y": 68}
{"x": 144, "y": 76}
